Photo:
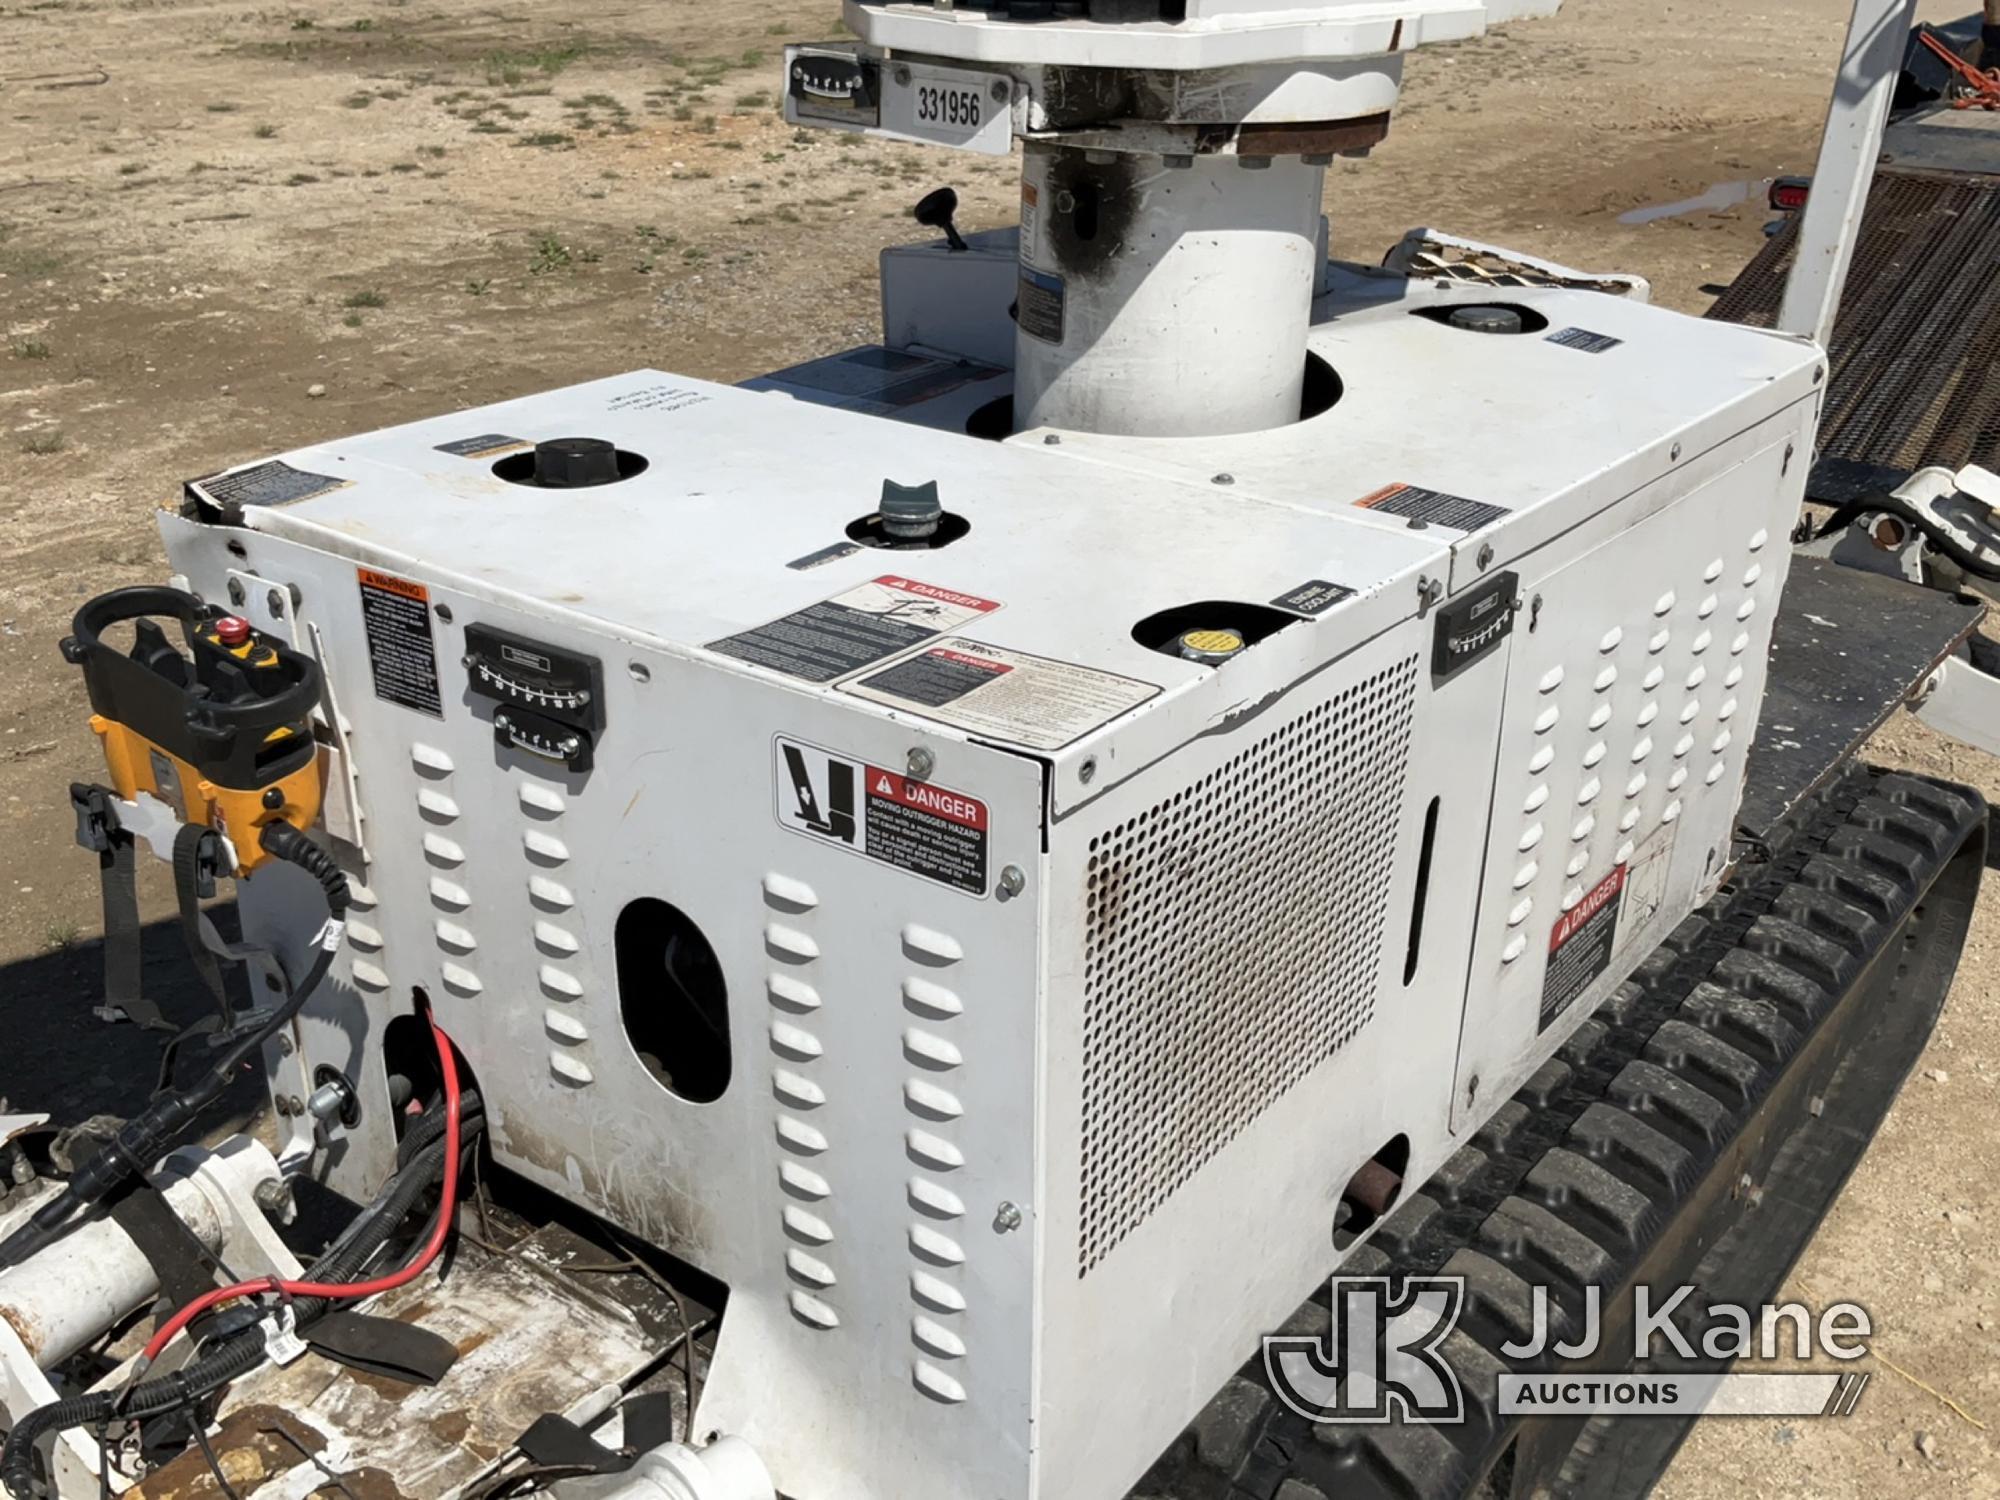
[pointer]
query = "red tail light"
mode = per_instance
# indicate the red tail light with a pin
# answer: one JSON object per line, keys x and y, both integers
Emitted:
{"x": 1789, "y": 194}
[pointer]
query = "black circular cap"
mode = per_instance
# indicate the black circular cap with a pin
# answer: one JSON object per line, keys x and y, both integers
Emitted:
{"x": 575, "y": 463}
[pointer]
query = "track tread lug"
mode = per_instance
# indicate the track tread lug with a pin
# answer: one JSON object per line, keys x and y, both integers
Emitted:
{"x": 1578, "y": 1188}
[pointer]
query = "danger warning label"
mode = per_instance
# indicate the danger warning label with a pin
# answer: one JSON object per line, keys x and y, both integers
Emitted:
{"x": 1027, "y": 700}
{"x": 396, "y": 614}
{"x": 1581, "y": 946}
{"x": 1432, "y": 507}
{"x": 917, "y": 826}
{"x": 856, "y": 629}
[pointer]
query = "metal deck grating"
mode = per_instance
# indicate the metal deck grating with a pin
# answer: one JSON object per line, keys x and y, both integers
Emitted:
{"x": 1916, "y": 351}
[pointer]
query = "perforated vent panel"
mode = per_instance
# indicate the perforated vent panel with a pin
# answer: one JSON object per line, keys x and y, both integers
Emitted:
{"x": 1234, "y": 936}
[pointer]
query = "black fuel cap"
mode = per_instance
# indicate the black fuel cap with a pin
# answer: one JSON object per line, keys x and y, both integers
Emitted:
{"x": 576, "y": 463}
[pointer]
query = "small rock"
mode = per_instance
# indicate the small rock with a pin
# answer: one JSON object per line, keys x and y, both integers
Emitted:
{"x": 225, "y": 390}
{"x": 1934, "y": 1284}
{"x": 315, "y": 390}
{"x": 1927, "y": 1447}
{"x": 1937, "y": 1075}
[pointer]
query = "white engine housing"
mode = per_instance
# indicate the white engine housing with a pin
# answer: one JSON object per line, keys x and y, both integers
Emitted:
{"x": 1006, "y": 1182}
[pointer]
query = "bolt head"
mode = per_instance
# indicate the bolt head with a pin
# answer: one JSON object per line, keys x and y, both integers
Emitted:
{"x": 919, "y": 763}
{"x": 275, "y": 602}
{"x": 237, "y": 593}
{"x": 1485, "y": 556}
{"x": 1007, "y": 1218}
{"x": 1012, "y": 882}
{"x": 1087, "y": 772}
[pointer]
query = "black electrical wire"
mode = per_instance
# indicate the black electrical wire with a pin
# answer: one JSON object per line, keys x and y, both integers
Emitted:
{"x": 241, "y": 1352}
{"x": 154, "y": 1131}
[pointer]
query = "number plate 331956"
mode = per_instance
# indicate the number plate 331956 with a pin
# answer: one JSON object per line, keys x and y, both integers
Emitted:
{"x": 950, "y": 106}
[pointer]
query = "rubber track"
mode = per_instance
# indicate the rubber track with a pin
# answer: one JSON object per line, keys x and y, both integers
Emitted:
{"x": 1574, "y": 1180}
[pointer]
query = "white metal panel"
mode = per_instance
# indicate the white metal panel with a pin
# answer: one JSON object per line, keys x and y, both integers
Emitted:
{"x": 882, "y": 1027}
{"x": 1635, "y": 685}
{"x": 1184, "y": 1292}
{"x": 1217, "y": 34}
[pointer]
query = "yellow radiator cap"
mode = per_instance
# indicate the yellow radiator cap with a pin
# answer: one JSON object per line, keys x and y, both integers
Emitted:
{"x": 1210, "y": 646}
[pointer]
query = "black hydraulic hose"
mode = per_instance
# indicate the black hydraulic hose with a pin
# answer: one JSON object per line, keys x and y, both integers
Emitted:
{"x": 151, "y": 1133}
{"x": 244, "y": 1351}
{"x": 1904, "y": 511}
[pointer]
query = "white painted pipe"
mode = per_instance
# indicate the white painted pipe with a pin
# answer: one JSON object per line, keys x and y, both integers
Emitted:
{"x": 1167, "y": 301}
{"x": 727, "y": 1469}
{"x": 59, "y": 1301}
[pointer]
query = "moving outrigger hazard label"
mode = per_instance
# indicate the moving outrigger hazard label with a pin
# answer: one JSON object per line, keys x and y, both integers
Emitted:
{"x": 1581, "y": 946}
{"x": 1025, "y": 700}
{"x": 855, "y": 629}
{"x": 881, "y": 815}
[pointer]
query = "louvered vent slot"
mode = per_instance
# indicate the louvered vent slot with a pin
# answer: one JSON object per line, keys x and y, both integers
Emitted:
{"x": 1235, "y": 934}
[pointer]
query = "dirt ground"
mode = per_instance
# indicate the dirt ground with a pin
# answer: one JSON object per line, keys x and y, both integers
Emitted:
{"x": 229, "y": 229}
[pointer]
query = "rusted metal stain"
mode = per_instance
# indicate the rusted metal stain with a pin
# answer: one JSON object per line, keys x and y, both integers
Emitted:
{"x": 529, "y": 1344}
{"x": 1313, "y": 137}
{"x": 26, "y": 1329}
{"x": 251, "y": 1449}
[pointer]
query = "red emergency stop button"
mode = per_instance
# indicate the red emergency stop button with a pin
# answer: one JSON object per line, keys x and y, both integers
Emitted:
{"x": 232, "y": 630}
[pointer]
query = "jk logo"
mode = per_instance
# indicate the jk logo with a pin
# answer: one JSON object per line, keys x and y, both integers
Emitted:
{"x": 1379, "y": 1357}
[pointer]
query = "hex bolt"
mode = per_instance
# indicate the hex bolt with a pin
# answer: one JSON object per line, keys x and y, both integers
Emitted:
{"x": 1052, "y": 439}
{"x": 919, "y": 763}
{"x": 1007, "y": 1218}
{"x": 902, "y": 77}
{"x": 1485, "y": 556}
{"x": 284, "y": 1046}
{"x": 1225, "y": 479}
{"x": 237, "y": 593}
{"x": 1002, "y": 91}
{"x": 1087, "y": 772}
{"x": 274, "y": 1196}
{"x": 1675, "y": 456}
{"x": 275, "y": 602}
{"x": 1012, "y": 883}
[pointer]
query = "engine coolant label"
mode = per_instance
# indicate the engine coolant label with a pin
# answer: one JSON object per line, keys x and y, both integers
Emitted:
{"x": 881, "y": 815}
{"x": 856, "y": 629}
{"x": 1025, "y": 700}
